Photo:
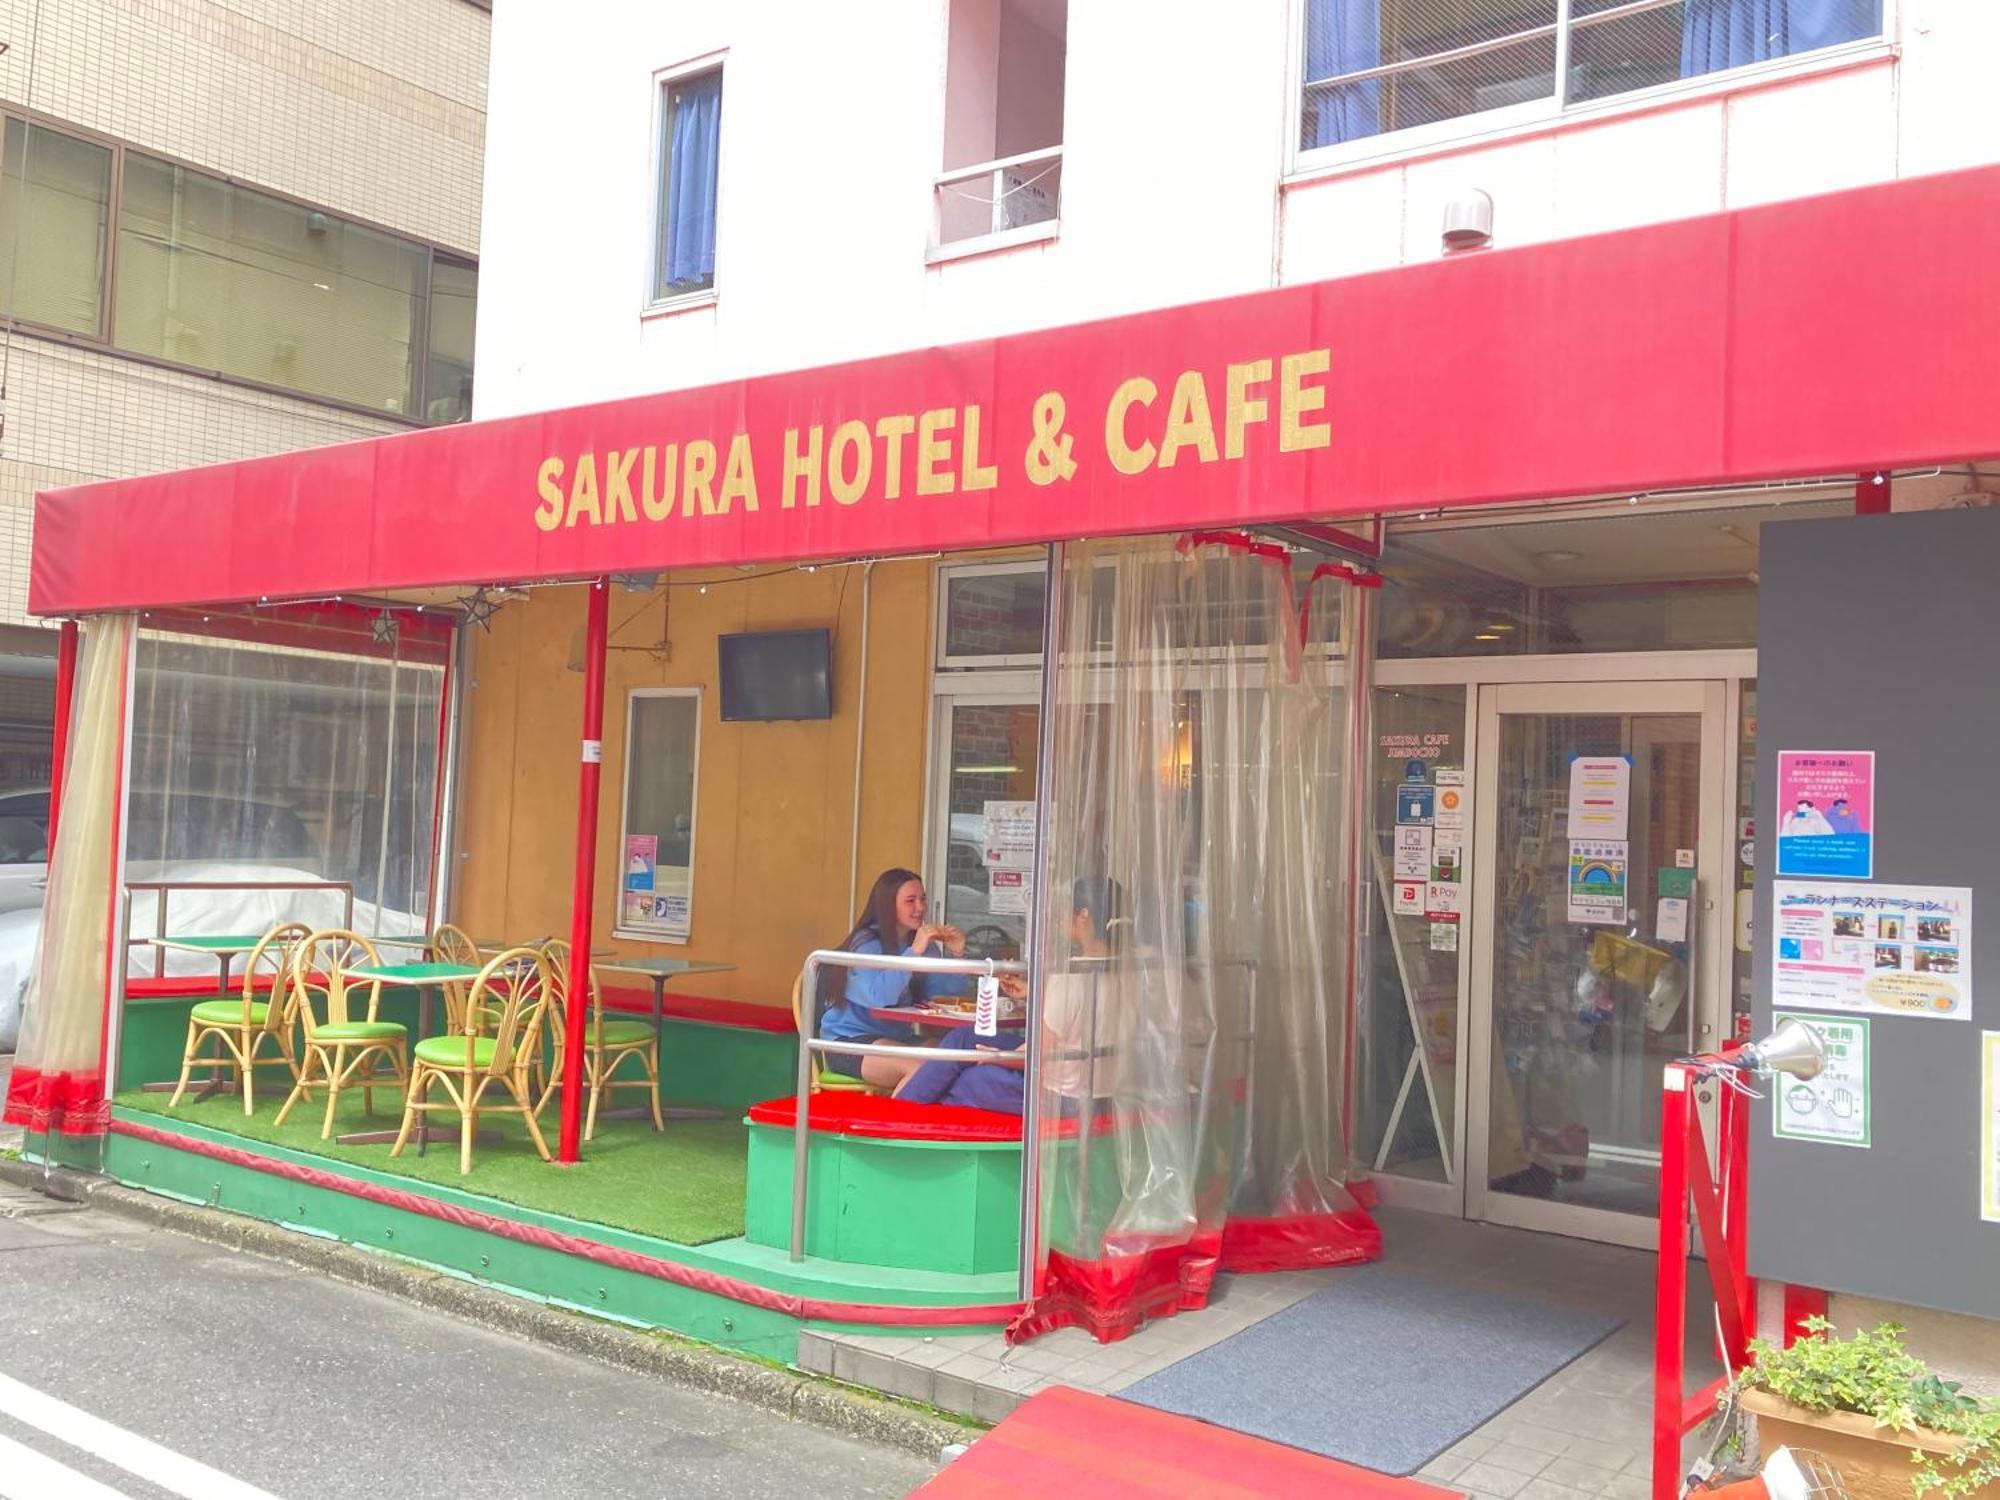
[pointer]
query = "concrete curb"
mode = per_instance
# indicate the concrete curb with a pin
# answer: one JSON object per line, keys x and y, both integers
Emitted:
{"x": 845, "y": 1409}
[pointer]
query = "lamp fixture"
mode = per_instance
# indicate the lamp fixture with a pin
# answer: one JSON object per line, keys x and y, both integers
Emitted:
{"x": 1794, "y": 1049}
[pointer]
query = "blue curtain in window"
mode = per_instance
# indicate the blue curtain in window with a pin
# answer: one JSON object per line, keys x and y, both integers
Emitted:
{"x": 1717, "y": 34}
{"x": 1342, "y": 36}
{"x": 688, "y": 220}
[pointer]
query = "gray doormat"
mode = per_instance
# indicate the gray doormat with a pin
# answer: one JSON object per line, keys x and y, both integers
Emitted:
{"x": 1384, "y": 1368}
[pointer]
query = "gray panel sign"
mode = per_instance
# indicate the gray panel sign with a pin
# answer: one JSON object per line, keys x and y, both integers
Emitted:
{"x": 1883, "y": 633}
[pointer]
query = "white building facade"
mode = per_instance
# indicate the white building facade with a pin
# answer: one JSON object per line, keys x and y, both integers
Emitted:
{"x": 1186, "y": 151}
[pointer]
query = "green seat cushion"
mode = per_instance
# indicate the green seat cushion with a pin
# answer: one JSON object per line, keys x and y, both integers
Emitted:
{"x": 228, "y": 1012}
{"x": 626, "y": 1033}
{"x": 449, "y": 1051}
{"x": 834, "y": 1082}
{"x": 357, "y": 1031}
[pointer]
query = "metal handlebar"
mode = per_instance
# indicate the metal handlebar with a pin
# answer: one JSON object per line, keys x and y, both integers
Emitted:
{"x": 810, "y": 1043}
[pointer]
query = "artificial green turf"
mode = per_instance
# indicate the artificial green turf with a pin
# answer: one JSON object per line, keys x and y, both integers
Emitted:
{"x": 683, "y": 1184}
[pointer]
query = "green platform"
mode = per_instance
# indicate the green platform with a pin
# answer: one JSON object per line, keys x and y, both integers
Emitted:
{"x": 542, "y": 1272}
{"x": 940, "y": 1205}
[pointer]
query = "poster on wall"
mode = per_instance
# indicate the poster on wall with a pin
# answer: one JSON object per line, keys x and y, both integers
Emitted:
{"x": 1600, "y": 797}
{"x": 1597, "y": 880}
{"x": 1826, "y": 813}
{"x": 1010, "y": 835}
{"x": 1833, "y": 1107}
{"x": 1886, "y": 950}
{"x": 1989, "y": 1126}
{"x": 642, "y": 862}
{"x": 1007, "y": 895}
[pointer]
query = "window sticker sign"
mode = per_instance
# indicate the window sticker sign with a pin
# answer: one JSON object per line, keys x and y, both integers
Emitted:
{"x": 1600, "y": 797}
{"x": 642, "y": 861}
{"x": 1832, "y": 1108}
{"x": 1826, "y": 813}
{"x": 1597, "y": 881}
{"x": 1885, "y": 950}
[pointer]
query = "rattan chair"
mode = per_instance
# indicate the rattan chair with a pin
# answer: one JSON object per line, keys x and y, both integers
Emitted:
{"x": 497, "y": 1038}
{"x": 606, "y": 1044}
{"x": 242, "y": 1027}
{"x": 345, "y": 1045}
{"x": 450, "y": 945}
{"x": 823, "y": 1078}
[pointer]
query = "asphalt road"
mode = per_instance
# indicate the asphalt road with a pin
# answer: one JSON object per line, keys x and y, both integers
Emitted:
{"x": 130, "y": 1357}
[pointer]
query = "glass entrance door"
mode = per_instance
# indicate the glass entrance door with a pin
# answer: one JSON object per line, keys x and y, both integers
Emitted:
{"x": 1602, "y": 852}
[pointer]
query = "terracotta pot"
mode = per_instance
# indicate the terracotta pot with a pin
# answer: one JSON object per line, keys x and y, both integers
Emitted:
{"x": 1874, "y": 1462}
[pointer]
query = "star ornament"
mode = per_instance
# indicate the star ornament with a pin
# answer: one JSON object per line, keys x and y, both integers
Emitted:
{"x": 480, "y": 607}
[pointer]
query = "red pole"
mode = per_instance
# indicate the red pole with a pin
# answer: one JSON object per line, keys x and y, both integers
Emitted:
{"x": 59, "y": 744}
{"x": 578, "y": 994}
{"x": 1871, "y": 494}
{"x": 1801, "y": 1302}
{"x": 1670, "y": 1299}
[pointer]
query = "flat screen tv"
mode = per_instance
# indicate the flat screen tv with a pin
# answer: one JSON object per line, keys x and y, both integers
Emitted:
{"x": 776, "y": 674}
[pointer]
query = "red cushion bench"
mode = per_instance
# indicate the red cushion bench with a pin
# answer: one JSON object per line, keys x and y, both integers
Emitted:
{"x": 880, "y": 1117}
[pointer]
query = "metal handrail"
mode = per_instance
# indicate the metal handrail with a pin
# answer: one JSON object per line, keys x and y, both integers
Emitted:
{"x": 167, "y": 887}
{"x": 998, "y": 164}
{"x": 996, "y": 173}
{"x": 810, "y": 1043}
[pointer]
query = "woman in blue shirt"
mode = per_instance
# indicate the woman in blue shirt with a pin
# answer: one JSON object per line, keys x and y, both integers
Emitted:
{"x": 893, "y": 921}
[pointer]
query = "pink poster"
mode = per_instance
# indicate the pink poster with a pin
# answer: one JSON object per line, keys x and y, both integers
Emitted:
{"x": 1826, "y": 813}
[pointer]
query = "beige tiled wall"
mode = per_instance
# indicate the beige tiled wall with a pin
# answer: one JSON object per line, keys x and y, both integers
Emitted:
{"x": 372, "y": 108}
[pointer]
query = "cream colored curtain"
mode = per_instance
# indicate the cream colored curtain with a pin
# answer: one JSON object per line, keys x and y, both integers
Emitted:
{"x": 1192, "y": 1074}
{"x": 58, "y": 1082}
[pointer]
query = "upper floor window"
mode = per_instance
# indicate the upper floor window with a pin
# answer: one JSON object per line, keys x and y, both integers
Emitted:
{"x": 1376, "y": 66}
{"x": 106, "y": 244}
{"x": 1003, "y": 123}
{"x": 61, "y": 186}
{"x": 690, "y": 160}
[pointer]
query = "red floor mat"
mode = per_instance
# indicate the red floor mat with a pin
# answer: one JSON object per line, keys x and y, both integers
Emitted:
{"x": 1067, "y": 1442}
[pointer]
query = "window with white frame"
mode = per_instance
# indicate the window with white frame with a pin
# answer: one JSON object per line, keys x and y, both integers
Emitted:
{"x": 656, "y": 851}
{"x": 1372, "y": 67}
{"x": 1003, "y": 124}
{"x": 690, "y": 154}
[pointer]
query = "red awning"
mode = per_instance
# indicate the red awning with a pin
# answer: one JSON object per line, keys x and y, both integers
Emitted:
{"x": 1815, "y": 337}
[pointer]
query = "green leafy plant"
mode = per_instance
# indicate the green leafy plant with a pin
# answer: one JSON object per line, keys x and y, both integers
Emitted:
{"x": 1871, "y": 1373}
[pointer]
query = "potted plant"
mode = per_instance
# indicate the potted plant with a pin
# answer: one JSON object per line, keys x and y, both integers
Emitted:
{"x": 1892, "y": 1427}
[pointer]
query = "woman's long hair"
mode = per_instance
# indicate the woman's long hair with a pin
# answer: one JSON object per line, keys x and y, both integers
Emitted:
{"x": 877, "y": 920}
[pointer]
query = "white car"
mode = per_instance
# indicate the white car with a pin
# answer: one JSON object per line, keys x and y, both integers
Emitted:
{"x": 243, "y": 909}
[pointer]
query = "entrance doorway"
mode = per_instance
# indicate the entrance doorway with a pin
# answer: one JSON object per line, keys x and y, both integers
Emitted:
{"x": 1512, "y": 1055}
{"x": 1602, "y": 815}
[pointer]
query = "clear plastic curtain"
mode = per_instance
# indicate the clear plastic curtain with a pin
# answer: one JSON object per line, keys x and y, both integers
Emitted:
{"x": 302, "y": 755}
{"x": 1193, "y": 984}
{"x": 57, "y": 1085}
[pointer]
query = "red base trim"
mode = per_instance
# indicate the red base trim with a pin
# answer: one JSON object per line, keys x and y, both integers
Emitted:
{"x": 67, "y": 1103}
{"x": 1301, "y": 1242}
{"x": 883, "y": 1314}
{"x": 1111, "y": 1298}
